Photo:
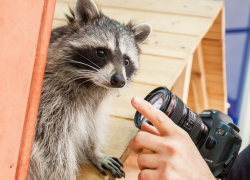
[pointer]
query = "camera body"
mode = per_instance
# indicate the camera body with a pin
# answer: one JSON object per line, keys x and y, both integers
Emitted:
{"x": 212, "y": 131}
{"x": 222, "y": 143}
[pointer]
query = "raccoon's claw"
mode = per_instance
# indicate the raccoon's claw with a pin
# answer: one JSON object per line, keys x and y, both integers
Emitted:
{"x": 113, "y": 164}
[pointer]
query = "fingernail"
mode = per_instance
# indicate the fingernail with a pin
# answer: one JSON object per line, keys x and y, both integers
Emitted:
{"x": 136, "y": 101}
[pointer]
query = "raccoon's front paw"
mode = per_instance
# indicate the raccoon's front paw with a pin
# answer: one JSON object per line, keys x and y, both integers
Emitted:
{"x": 113, "y": 164}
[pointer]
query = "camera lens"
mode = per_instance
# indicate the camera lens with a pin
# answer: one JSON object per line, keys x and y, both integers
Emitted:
{"x": 163, "y": 99}
{"x": 157, "y": 101}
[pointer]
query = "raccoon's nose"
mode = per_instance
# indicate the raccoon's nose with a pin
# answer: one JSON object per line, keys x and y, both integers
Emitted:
{"x": 117, "y": 80}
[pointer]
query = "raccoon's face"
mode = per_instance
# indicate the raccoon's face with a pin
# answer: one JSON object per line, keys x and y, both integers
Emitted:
{"x": 104, "y": 51}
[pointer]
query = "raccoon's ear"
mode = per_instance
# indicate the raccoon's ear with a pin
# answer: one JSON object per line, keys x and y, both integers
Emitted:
{"x": 86, "y": 10}
{"x": 141, "y": 32}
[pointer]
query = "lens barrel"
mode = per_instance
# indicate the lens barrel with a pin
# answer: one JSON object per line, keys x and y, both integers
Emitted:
{"x": 178, "y": 112}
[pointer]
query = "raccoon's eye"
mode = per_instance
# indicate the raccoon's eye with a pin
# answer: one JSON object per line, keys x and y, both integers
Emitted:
{"x": 126, "y": 61}
{"x": 101, "y": 52}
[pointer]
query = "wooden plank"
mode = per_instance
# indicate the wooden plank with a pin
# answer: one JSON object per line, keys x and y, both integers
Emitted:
{"x": 155, "y": 70}
{"x": 212, "y": 42}
{"x": 160, "y": 44}
{"x": 123, "y": 107}
{"x": 170, "y": 45}
{"x": 171, "y": 23}
{"x": 25, "y": 29}
{"x": 191, "y": 7}
{"x": 120, "y": 133}
{"x": 167, "y": 45}
{"x": 217, "y": 31}
{"x": 181, "y": 87}
{"x": 212, "y": 50}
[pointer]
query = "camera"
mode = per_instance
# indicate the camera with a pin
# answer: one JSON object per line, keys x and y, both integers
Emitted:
{"x": 212, "y": 131}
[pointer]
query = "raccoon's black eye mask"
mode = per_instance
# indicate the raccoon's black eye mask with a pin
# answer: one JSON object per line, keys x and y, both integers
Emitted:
{"x": 89, "y": 58}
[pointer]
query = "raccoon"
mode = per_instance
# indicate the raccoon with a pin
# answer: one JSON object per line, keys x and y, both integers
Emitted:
{"x": 88, "y": 59}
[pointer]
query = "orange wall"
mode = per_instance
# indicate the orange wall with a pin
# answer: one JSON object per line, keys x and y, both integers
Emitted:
{"x": 24, "y": 36}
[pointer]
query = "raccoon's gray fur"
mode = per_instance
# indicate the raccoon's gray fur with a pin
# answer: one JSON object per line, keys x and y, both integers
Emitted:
{"x": 88, "y": 58}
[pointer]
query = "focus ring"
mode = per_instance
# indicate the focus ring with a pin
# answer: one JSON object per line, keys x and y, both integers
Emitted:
{"x": 197, "y": 128}
{"x": 177, "y": 114}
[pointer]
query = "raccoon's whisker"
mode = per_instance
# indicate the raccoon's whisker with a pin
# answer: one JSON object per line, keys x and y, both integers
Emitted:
{"x": 76, "y": 75}
{"x": 97, "y": 71}
{"x": 71, "y": 60}
{"x": 83, "y": 83}
{"x": 90, "y": 73}
{"x": 74, "y": 79}
{"x": 86, "y": 59}
{"x": 130, "y": 92}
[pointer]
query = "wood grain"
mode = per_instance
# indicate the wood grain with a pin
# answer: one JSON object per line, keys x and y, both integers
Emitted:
{"x": 188, "y": 8}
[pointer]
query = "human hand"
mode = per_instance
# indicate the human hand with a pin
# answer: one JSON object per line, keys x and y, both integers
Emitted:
{"x": 174, "y": 157}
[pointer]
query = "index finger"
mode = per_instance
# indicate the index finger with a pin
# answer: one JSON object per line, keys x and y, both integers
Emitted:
{"x": 161, "y": 121}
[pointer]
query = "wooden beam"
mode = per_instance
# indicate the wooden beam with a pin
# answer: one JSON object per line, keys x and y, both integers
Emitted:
{"x": 181, "y": 87}
{"x": 198, "y": 81}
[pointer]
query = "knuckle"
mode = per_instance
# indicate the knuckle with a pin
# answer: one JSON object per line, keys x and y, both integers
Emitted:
{"x": 166, "y": 173}
{"x": 165, "y": 176}
{"x": 170, "y": 147}
{"x": 164, "y": 144}
{"x": 143, "y": 176}
{"x": 140, "y": 176}
{"x": 138, "y": 138}
{"x": 161, "y": 117}
{"x": 164, "y": 164}
{"x": 140, "y": 159}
